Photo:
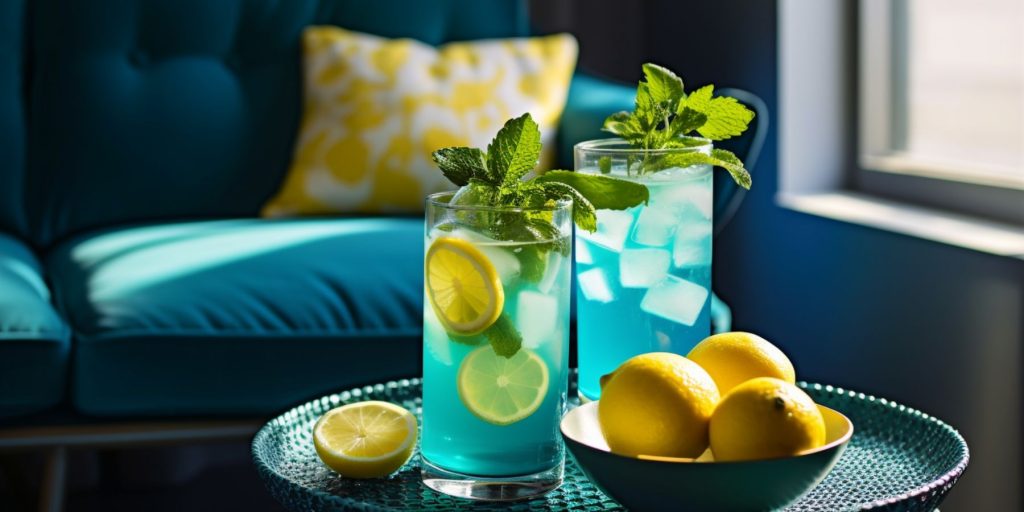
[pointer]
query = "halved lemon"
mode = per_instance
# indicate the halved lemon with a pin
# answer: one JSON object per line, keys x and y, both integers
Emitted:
{"x": 501, "y": 390}
{"x": 463, "y": 286}
{"x": 365, "y": 439}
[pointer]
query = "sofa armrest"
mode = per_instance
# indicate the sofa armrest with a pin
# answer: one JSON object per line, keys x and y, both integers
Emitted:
{"x": 590, "y": 101}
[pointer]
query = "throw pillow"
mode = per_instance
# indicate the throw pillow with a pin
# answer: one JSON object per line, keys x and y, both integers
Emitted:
{"x": 375, "y": 109}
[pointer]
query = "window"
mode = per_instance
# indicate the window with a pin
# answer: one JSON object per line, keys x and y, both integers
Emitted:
{"x": 941, "y": 104}
{"x": 906, "y": 116}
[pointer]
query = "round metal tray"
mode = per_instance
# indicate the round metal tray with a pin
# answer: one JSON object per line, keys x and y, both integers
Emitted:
{"x": 899, "y": 459}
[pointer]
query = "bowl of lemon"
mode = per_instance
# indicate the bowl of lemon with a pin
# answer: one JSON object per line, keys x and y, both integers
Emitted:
{"x": 724, "y": 428}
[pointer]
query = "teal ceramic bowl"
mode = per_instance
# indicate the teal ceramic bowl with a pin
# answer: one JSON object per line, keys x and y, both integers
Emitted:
{"x": 657, "y": 485}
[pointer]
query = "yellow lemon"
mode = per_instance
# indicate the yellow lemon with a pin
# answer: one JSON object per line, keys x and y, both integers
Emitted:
{"x": 733, "y": 358}
{"x": 502, "y": 390}
{"x": 657, "y": 404}
{"x": 365, "y": 439}
{"x": 463, "y": 287}
{"x": 765, "y": 418}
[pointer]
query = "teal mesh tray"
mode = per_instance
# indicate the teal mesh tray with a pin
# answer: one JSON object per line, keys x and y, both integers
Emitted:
{"x": 899, "y": 459}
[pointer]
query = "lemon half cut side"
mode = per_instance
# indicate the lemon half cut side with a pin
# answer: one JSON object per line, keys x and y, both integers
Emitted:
{"x": 365, "y": 439}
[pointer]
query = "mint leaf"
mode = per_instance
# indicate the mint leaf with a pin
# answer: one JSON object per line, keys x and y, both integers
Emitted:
{"x": 617, "y": 123}
{"x": 646, "y": 113}
{"x": 503, "y": 336}
{"x": 664, "y": 115}
{"x": 604, "y": 192}
{"x": 515, "y": 149}
{"x": 583, "y": 213}
{"x": 665, "y": 87}
{"x": 730, "y": 162}
{"x": 718, "y": 158}
{"x": 533, "y": 261}
{"x": 495, "y": 179}
{"x": 625, "y": 125}
{"x": 460, "y": 164}
{"x": 686, "y": 121}
{"x": 604, "y": 164}
{"x": 698, "y": 100}
{"x": 726, "y": 118}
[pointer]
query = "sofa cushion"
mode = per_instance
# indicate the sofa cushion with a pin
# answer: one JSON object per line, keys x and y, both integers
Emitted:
{"x": 238, "y": 316}
{"x": 147, "y": 111}
{"x": 34, "y": 341}
{"x": 12, "y": 115}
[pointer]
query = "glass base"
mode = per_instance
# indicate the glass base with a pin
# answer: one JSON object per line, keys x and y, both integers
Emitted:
{"x": 471, "y": 487}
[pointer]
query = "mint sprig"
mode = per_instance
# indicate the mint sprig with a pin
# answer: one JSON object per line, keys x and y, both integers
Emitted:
{"x": 664, "y": 115}
{"x": 503, "y": 176}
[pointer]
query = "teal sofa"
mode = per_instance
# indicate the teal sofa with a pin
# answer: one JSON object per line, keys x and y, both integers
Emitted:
{"x": 138, "y": 140}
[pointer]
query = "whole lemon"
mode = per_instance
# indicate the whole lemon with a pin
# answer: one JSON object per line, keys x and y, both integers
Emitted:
{"x": 765, "y": 418}
{"x": 733, "y": 358}
{"x": 657, "y": 404}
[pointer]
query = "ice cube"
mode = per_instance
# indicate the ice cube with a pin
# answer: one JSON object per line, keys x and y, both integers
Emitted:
{"x": 684, "y": 199}
{"x": 536, "y": 318}
{"x": 438, "y": 345}
{"x": 642, "y": 268}
{"x": 655, "y": 227}
{"x": 692, "y": 245}
{"x": 675, "y": 299}
{"x": 555, "y": 262}
{"x": 500, "y": 255}
{"x": 594, "y": 285}
{"x": 583, "y": 253}
{"x": 612, "y": 229}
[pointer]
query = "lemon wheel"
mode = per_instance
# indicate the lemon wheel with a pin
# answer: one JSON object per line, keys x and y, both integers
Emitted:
{"x": 365, "y": 439}
{"x": 501, "y": 390}
{"x": 463, "y": 287}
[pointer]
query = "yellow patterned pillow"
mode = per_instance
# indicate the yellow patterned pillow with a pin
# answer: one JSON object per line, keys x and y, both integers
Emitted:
{"x": 375, "y": 108}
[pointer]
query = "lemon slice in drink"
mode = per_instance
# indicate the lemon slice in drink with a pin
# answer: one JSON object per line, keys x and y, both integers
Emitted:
{"x": 463, "y": 286}
{"x": 365, "y": 439}
{"x": 500, "y": 390}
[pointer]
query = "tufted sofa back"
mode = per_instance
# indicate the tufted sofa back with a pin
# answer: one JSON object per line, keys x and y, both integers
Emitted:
{"x": 143, "y": 110}
{"x": 12, "y": 115}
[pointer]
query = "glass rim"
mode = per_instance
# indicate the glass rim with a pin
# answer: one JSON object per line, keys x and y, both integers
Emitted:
{"x": 435, "y": 200}
{"x": 599, "y": 146}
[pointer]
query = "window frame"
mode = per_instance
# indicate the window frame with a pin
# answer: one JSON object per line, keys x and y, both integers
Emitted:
{"x": 878, "y": 168}
{"x": 819, "y": 169}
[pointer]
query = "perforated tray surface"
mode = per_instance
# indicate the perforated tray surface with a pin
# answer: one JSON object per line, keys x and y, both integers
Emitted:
{"x": 899, "y": 459}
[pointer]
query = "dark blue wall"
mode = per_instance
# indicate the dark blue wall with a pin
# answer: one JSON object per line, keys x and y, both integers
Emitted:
{"x": 932, "y": 326}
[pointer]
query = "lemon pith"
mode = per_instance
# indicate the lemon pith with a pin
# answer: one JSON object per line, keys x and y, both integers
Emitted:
{"x": 500, "y": 390}
{"x": 365, "y": 439}
{"x": 765, "y": 418}
{"x": 463, "y": 286}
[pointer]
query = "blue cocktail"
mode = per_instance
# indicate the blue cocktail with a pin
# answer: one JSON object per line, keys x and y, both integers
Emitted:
{"x": 644, "y": 277}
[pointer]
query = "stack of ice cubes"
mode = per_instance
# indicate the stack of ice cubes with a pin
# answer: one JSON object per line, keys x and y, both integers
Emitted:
{"x": 673, "y": 232}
